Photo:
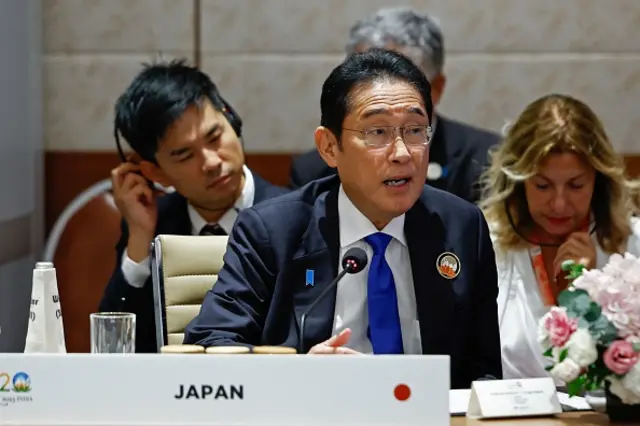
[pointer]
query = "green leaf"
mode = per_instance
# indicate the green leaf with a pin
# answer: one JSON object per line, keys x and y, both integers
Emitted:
{"x": 577, "y": 270}
{"x": 636, "y": 347}
{"x": 583, "y": 323}
{"x": 548, "y": 352}
{"x": 574, "y": 269}
{"x": 593, "y": 313}
{"x": 591, "y": 385}
{"x": 566, "y": 297}
{"x": 567, "y": 265}
{"x": 577, "y": 386}
{"x": 563, "y": 354}
{"x": 598, "y": 371}
{"x": 602, "y": 330}
{"x": 594, "y": 381}
{"x": 577, "y": 302}
{"x": 548, "y": 368}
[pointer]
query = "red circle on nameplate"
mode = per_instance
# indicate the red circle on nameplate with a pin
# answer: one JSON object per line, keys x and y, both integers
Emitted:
{"x": 402, "y": 392}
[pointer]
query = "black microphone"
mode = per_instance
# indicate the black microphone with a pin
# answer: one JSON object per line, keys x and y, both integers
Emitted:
{"x": 353, "y": 261}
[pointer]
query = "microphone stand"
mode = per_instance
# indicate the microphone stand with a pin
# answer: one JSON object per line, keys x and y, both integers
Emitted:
{"x": 303, "y": 318}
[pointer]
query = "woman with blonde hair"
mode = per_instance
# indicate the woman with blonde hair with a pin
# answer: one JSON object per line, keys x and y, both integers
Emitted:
{"x": 555, "y": 191}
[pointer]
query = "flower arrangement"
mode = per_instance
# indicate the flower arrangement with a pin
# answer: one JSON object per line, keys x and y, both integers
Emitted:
{"x": 592, "y": 337}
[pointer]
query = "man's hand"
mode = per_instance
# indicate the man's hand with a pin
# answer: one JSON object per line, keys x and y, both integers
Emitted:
{"x": 136, "y": 202}
{"x": 579, "y": 248}
{"x": 334, "y": 345}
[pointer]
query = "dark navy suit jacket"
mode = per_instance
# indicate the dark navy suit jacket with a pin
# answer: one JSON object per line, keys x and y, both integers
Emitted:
{"x": 173, "y": 219}
{"x": 261, "y": 294}
{"x": 461, "y": 150}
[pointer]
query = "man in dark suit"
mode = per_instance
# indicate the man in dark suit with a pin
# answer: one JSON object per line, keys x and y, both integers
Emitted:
{"x": 459, "y": 152}
{"x": 430, "y": 285}
{"x": 187, "y": 137}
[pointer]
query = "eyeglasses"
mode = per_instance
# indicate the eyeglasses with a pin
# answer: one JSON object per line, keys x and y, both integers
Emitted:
{"x": 382, "y": 136}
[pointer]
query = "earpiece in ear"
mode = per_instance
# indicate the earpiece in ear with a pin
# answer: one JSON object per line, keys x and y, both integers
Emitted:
{"x": 234, "y": 120}
{"x": 123, "y": 157}
{"x": 116, "y": 136}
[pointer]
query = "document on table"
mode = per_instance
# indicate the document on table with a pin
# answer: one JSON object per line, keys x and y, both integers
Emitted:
{"x": 459, "y": 402}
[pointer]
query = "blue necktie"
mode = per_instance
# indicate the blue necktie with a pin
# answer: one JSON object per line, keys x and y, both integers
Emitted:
{"x": 385, "y": 332}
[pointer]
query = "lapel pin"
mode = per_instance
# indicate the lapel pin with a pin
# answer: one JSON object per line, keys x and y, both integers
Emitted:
{"x": 310, "y": 279}
{"x": 448, "y": 265}
{"x": 434, "y": 171}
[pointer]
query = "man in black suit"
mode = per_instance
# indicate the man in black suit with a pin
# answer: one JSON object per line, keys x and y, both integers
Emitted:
{"x": 187, "y": 137}
{"x": 459, "y": 152}
{"x": 430, "y": 286}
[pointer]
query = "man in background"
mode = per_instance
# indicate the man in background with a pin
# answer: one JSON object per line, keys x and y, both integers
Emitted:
{"x": 458, "y": 152}
{"x": 185, "y": 136}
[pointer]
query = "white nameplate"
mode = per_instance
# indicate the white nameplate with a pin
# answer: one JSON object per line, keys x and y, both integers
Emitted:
{"x": 513, "y": 398}
{"x": 265, "y": 390}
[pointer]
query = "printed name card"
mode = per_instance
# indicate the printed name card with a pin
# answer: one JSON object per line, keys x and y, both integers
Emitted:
{"x": 196, "y": 390}
{"x": 513, "y": 398}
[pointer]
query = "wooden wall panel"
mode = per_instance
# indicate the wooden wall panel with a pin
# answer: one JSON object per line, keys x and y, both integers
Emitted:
{"x": 84, "y": 262}
{"x": 69, "y": 173}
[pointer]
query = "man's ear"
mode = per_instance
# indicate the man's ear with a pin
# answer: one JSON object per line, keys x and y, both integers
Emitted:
{"x": 154, "y": 173}
{"x": 327, "y": 145}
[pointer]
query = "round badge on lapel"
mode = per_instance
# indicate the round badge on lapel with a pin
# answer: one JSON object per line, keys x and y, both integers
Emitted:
{"x": 448, "y": 265}
{"x": 434, "y": 171}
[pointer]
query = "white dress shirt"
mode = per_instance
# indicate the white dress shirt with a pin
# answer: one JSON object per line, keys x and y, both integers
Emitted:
{"x": 520, "y": 308}
{"x": 351, "y": 297}
{"x": 137, "y": 273}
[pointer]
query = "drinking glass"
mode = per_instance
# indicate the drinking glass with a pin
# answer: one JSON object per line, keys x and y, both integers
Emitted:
{"x": 113, "y": 333}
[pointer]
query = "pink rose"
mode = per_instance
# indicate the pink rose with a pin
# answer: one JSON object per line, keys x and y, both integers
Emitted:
{"x": 620, "y": 357}
{"x": 559, "y": 326}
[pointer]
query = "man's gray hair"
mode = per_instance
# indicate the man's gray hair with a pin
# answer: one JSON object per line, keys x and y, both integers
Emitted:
{"x": 417, "y": 35}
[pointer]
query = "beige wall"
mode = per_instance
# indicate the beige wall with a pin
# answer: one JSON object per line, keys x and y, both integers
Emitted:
{"x": 270, "y": 58}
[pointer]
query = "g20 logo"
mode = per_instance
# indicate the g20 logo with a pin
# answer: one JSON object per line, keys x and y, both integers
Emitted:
{"x": 21, "y": 382}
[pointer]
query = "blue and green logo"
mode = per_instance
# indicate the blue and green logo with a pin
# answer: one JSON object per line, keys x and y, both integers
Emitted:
{"x": 21, "y": 382}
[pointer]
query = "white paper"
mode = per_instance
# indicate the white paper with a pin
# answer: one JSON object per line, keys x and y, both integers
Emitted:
{"x": 575, "y": 402}
{"x": 46, "y": 332}
{"x": 459, "y": 401}
{"x": 513, "y": 398}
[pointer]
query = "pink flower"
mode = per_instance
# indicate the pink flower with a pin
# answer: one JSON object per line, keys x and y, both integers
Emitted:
{"x": 621, "y": 305}
{"x": 620, "y": 357}
{"x": 616, "y": 288}
{"x": 559, "y": 326}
